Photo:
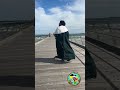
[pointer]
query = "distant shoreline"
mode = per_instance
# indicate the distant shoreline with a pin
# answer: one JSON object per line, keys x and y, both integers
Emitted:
{"x": 81, "y": 34}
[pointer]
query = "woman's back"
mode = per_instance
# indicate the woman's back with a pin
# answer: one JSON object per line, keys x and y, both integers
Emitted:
{"x": 61, "y": 29}
{"x": 64, "y": 50}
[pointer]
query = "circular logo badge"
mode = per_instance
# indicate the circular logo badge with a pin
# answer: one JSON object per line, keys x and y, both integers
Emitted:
{"x": 74, "y": 78}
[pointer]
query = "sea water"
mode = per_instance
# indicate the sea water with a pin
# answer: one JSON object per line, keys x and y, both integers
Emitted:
{"x": 40, "y": 37}
{"x": 77, "y": 38}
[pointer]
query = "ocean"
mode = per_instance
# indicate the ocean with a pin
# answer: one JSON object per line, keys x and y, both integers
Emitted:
{"x": 78, "y": 38}
{"x": 40, "y": 37}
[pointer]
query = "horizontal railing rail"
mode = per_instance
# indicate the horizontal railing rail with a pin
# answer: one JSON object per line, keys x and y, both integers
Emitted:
{"x": 107, "y": 32}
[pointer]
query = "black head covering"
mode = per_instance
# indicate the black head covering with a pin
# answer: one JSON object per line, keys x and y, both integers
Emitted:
{"x": 62, "y": 23}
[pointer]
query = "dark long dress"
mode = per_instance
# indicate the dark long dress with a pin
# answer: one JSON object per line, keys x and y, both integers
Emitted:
{"x": 90, "y": 67}
{"x": 64, "y": 50}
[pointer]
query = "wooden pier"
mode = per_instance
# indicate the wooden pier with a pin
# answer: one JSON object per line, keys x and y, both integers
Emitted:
{"x": 50, "y": 73}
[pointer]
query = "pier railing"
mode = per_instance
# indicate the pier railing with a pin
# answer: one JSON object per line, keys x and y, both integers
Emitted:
{"x": 8, "y": 28}
{"x": 104, "y": 30}
{"x": 79, "y": 40}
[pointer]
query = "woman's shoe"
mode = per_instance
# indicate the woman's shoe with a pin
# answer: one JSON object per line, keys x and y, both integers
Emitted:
{"x": 56, "y": 57}
{"x": 67, "y": 61}
{"x": 63, "y": 60}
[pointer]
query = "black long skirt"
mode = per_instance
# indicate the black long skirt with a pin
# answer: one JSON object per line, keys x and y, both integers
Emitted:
{"x": 64, "y": 50}
{"x": 90, "y": 67}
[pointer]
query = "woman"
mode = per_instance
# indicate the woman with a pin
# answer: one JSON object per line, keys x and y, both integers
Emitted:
{"x": 64, "y": 50}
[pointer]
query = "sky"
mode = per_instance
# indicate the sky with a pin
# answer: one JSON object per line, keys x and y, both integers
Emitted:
{"x": 102, "y": 8}
{"x": 16, "y": 10}
{"x": 48, "y": 13}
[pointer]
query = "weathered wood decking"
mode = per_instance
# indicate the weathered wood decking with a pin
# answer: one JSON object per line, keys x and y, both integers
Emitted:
{"x": 50, "y": 73}
{"x": 17, "y": 61}
{"x": 108, "y": 67}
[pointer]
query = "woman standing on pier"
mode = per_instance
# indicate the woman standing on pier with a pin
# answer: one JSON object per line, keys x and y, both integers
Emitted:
{"x": 64, "y": 50}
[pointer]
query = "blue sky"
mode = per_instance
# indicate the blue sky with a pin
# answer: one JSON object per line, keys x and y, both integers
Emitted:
{"x": 46, "y": 4}
{"x": 48, "y": 13}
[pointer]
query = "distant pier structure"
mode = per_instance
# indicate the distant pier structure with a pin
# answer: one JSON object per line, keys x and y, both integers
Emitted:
{"x": 50, "y": 34}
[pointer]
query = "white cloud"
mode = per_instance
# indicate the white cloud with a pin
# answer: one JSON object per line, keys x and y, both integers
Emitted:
{"x": 55, "y": 10}
{"x": 46, "y": 23}
{"x": 78, "y": 5}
